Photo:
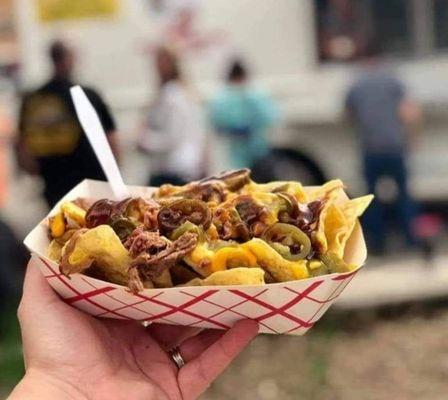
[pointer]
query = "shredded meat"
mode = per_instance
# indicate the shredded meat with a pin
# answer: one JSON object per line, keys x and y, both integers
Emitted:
{"x": 64, "y": 265}
{"x": 151, "y": 265}
{"x": 150, "y": 210}
{"x": 143, "y": 241}
{"x": 249, "y": 211}
{"x": 135, "y": 283}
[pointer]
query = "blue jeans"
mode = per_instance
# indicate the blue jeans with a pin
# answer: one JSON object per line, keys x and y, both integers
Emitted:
{"x": 393, "y": 166}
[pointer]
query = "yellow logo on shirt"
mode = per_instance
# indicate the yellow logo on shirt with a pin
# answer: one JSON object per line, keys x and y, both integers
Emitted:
{"x": 49, "y": 128}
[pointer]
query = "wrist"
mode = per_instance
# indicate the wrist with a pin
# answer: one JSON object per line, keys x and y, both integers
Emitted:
{"x": 37, "y": 385}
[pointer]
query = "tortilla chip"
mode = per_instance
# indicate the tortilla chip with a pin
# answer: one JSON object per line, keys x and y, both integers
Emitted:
{"x": 336, "y": 264}
{"x": 337, "y": 220}
{"x": 294, "y": 188}
{"x": 352, "y": 210}
{"x": 100, "y": 246}
{"x": 335, "y": 228}
{"x": 355, "y": 208}
{"x": 331, "y": 190}
{"x": 282, "y": 270}
{"x": 54, "y": 251}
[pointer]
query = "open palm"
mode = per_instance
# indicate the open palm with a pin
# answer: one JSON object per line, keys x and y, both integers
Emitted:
{"x": 69, "y": 354}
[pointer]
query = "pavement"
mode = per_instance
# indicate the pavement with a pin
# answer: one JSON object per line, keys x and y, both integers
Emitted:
{"x": 388, "y": 281}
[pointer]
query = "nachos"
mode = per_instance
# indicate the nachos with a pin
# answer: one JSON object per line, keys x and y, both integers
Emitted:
{"x": 222, "y": 230}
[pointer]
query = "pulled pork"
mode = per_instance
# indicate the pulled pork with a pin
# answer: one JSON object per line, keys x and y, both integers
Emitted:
{"x": 150, "y": 210}
{"x": 144, "y": 241}
{"x": 150, "y": 266}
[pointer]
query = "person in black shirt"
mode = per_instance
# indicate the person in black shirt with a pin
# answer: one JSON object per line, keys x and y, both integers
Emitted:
{"x": 51, "y": 142}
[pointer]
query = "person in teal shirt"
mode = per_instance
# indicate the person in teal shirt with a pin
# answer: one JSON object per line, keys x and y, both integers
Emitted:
{"x": 243, "y": 114}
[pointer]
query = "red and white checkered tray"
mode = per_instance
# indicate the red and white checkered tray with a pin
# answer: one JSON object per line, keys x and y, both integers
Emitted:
{"x": 280, "y": 308}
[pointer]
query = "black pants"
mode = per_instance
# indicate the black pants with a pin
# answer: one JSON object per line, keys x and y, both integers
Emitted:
{"x": 393, "y": 166}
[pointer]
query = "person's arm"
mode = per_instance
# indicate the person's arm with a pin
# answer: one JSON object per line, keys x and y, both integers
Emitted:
{"x": 112, "y": 138}
{"x": 409, "y": 113}
{"x": 107, "y": 120}
{"x": 266, "y": 111}
{"x": 25, "y": 160}
{"x": 348, "y": 113}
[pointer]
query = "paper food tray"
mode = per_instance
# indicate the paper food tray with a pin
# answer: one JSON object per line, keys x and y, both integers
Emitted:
{"x": 280, "y": 308}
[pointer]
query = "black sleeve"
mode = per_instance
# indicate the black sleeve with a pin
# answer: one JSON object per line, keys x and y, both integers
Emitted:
{"x": 102, "y": 109}
{"x": 21, "y": 116}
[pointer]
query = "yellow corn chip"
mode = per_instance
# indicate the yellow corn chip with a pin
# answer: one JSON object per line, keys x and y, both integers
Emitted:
{"x": 281, "y": 269}
{"x": 336, "y": 226}
{"x": 54, "y": 250}
{"x": 100, "y": 246}
{"x": 352, "y": 210}
{"x": 330, "y": 190}
{"x": 337, "y": 221}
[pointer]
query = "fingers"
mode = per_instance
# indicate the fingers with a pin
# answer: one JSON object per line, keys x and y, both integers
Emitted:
{"x": 194, "y": 346}
{"x": 197, "y": 375}
{"x": 169, "y": 336}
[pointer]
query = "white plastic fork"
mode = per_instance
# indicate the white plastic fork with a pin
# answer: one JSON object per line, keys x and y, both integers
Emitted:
{"x": 91, "y": 124}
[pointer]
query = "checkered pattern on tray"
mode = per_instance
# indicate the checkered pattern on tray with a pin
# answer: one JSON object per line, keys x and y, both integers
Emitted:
{"x": 289, "y": 308}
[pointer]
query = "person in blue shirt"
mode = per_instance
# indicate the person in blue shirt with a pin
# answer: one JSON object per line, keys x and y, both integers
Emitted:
{"x": 242, "y": 115}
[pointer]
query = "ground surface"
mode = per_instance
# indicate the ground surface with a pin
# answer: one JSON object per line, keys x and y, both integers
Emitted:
{"x": 368, "y": 359}
{"x": 359, "y": 356}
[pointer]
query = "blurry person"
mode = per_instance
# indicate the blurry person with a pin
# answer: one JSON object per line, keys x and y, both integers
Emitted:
{"x": 12, "y": 253}
{"x": 174, "y": 128}
{"x": 51, "y": 142}
{"x": 5, "y": 138}
{"x": 385, "y": 117}
{"x": 243, "y": 114}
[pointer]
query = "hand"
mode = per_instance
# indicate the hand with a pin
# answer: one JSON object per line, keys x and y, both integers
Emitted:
{"x": 71, "y": 355}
